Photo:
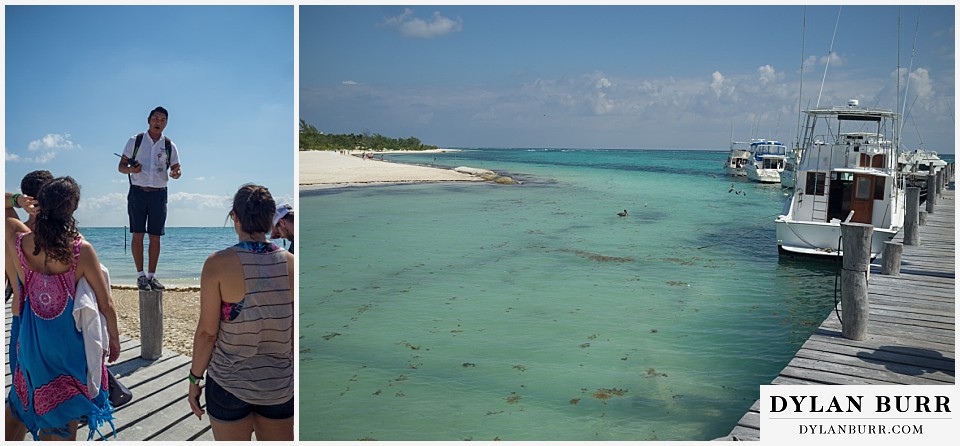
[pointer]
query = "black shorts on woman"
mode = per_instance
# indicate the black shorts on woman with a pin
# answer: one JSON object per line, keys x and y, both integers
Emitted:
{"x": 224, "y": 407}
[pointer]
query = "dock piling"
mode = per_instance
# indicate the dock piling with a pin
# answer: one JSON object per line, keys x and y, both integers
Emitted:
{"x": 892, "y": 252}
{"x": 857, "y": 239}
{"x": 911, "y": 220}
{"x": 151, "y": 324}
{"x": 931, "y": 192}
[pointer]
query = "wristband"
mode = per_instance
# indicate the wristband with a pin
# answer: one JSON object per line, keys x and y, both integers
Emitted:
{"x": 14, "y": 200}
{"x": 194, "y": 379}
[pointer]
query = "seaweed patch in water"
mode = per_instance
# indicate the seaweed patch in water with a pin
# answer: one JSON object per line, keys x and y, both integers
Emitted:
{"x": 653, "y": 373}
{"x": 520, "y": 368}
{"x": 677, "y": 283}
{"x": 599, "y": 257}
{"x": 605, "y": 394}
{"x": 330, "y": 336}
{"x": 513, "y": 398}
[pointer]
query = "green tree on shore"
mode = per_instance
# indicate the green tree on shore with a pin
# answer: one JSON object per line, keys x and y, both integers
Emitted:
{"x": 313, "y": 139}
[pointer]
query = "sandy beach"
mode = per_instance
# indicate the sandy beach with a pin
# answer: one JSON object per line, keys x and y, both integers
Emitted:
{"x": 326, "y": 169}
{"x": 181, "y": 310}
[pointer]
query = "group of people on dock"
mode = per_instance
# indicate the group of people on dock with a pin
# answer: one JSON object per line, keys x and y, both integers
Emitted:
{"x": 64, "y": 327}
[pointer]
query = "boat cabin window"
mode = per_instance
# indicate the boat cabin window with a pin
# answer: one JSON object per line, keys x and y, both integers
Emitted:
{"x": 815, "y": 183}
{"x": 878, "y": 161}
{"x": 863, "y": 188}
{"x": 878, "y": 188}
{"x": 872, "y": 161}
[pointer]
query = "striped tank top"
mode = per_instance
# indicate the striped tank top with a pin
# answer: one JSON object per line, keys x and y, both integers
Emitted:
{"x": 253, "y": 355}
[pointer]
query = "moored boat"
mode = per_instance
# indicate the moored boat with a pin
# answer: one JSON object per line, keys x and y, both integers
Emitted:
{"x": 738, "y": 158}
{"x": 767, "y": 160}
{"x": 847, "y": 175}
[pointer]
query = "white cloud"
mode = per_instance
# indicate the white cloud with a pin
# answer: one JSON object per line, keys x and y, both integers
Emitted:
{"x": 53, "y": 141}
{"x": 921, "y": 84}
{"x": 349, "y": 82}
{"x": 768, "y": 74}
{"x": 834, "y": 59}
{"x": 717, "y": 83}
{"x": 46, "y": 149}
{"x": 409, "y": 26}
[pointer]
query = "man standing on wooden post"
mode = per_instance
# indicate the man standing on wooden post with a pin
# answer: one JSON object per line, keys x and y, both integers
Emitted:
{"x": 146, "y": 159}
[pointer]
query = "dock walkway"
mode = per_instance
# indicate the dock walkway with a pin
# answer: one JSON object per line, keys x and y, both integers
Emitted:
{"x": 159, "y": 409}
{"x": 911, "y": 330}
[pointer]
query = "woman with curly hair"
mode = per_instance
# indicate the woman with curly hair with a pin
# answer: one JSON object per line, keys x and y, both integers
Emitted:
{"x": 244, "y": 338}
{"x": 51, "y": 395}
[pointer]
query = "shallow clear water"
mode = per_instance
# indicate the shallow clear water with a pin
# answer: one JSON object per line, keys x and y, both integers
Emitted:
{"x": 534, "y": 312}
{"x": 182, "y": 253}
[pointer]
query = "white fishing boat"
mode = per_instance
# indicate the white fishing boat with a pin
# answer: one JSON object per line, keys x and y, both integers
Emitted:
{"x": 848, "y": 173}
{"x": 738, "y": 158}
{"x": 916, "y": 165}
{"x": 767, "y": 160}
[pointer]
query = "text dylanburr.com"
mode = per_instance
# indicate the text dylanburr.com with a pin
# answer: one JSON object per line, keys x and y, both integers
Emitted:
{"x": 876, "y": 414}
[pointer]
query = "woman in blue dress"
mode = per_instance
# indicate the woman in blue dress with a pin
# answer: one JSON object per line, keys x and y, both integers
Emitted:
{"x": 50, "y": 391}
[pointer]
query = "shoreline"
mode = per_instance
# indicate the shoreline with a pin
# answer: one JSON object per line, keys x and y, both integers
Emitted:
{"x": 329, "y": 169}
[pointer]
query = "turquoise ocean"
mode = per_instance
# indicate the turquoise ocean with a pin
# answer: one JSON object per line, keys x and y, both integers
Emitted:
{"x": 183, "y": 251}
{"x": 533, "y": 312}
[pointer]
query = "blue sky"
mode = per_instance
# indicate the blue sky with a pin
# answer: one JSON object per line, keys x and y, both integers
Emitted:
{"x": 81, "y": 80}
{"x": 677, "y": 77}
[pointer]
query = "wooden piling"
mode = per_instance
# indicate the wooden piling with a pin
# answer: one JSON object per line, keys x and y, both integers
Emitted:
{"x": 892, "y": 253}
{"x": 923, "y": 218}
{"x": 940, "y": 176}
{"x": 931, "y": 192}
{"x": 853, "y": 279}
{"x": 151, "y": 324}
{"x": 911, "y": 220}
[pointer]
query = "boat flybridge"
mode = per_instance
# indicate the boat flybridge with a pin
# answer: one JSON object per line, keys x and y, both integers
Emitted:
{"x": 848, "y": 173}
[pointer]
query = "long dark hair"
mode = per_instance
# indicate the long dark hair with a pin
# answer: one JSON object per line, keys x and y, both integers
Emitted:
{"x": 56, "y": 228}
{"x": 253, "y": 207}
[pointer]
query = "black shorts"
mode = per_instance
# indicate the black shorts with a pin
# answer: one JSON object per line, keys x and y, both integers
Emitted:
{"x": 223, "y": 406}
{"x": 147, "y": 210}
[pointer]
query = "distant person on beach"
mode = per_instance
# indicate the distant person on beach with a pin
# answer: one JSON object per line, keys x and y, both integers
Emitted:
{"x": 146, "y": 159}
{"x": 283, "y": 224}
{"x": 244, "y": 338}
{"x": 50, "y": 394}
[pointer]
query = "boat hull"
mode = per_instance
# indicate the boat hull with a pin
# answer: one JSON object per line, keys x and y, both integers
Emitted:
{"x": 822, "y": 239}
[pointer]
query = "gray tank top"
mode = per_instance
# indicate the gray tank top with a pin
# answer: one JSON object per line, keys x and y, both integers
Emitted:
{"x": 253, "y": 355}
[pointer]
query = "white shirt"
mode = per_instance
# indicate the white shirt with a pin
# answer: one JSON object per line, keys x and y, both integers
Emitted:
{"x": 153, "y": 157}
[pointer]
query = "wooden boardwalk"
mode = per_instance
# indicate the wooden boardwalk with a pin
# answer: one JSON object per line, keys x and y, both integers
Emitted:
{"x": 159, "y": 409}
{"x": 911, "y": 330}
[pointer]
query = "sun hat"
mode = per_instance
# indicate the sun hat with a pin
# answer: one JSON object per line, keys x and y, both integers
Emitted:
{"x": 282, "y": 211}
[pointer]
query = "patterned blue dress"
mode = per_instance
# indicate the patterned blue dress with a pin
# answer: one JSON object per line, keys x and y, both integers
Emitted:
{"x": 49, "y": 381}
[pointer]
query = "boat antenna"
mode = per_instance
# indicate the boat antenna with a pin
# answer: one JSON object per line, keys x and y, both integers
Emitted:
{"x": 803, "y": 34}
{"x": 830, "y": 53}
{"x": 913, "y": 54}
{"x": 914, "y": 121}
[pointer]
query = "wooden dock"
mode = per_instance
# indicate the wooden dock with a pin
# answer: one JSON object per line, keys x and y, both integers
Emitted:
{"x": 159, "y": 409}
{"x": 911, "y": 329}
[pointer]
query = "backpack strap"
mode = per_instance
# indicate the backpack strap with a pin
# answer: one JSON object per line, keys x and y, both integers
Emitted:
{"x": 167, "y": 145}
{"x": 136, "y": 146}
